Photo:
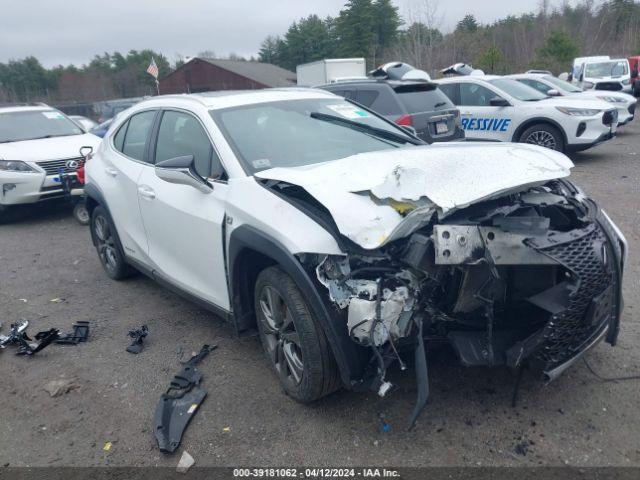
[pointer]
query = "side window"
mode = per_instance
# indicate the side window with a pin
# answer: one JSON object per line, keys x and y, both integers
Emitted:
{"x": 118, "y": 140}
{"x": 451, "y": 91}
{"x": 366, "y": 97}
{"x": 472, "y": 95}
{"x": 182, "y": 134}
{"x": 539, "y": 86}
{"x": 386, "y": 102}
{"x": 135, "y": 138}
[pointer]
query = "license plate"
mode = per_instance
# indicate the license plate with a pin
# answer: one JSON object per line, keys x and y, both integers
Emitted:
{"x": 442, "y": 127}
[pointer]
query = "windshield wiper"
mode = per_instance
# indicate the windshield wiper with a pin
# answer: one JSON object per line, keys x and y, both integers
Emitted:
{"x": 438, "y": 105}
{"x": 375, "y": 131}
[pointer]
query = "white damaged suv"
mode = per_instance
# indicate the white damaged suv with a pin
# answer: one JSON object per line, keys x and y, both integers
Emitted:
{"x": 349, "y": 243}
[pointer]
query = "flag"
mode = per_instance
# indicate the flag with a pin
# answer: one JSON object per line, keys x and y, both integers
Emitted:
{"x": 153, "y": 69}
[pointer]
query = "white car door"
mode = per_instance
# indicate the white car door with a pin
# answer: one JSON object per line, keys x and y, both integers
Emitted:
{"x": 123, "y": 164}
{"x": 481, "y": 120}
{"x": 184, "y": 225}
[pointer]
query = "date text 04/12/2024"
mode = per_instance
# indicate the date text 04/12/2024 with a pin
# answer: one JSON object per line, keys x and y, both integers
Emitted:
{"x": 318, "y": 473}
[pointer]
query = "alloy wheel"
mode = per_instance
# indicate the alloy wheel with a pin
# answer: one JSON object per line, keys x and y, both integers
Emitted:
{"x": 105, "y": 243}
{"x": 542, "y": 138}
{"x": 281, "y": 338}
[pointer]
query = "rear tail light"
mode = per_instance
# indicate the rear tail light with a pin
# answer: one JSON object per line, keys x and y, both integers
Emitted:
{"x": 405, "y": 120}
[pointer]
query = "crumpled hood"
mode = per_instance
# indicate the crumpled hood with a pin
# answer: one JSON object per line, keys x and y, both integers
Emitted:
{"x": 366, "y": 193}
{"x": 54, "y": 148}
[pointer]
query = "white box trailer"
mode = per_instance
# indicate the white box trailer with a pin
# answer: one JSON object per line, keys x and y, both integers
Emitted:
{"x": 330, "y": 70}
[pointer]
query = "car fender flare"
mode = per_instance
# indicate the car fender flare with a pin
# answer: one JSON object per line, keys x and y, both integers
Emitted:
{"x": 532, "y": 121}
{"x": 93, "y": 193}
{"x": 350, "y": 358}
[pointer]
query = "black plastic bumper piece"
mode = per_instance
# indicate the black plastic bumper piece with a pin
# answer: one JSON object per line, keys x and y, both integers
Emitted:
{"x": 179, "y": 403}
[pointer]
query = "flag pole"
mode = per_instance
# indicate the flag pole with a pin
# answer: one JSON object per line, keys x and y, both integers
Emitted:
{"x": 158, "y": 86}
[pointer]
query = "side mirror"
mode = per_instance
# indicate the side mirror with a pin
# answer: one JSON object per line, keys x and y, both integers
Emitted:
{"x": 499, "y": 102}
{"x": 182, "y": 171}
{"x": 553, "y": 93}
{"x": 409, "y": 129}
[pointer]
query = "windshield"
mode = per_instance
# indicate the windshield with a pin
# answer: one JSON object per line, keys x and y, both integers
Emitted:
{"x": 517, "y": 89}
{"x": 614, "y": 68}
{"x": 562, "y": 85}
{"x": 35, "y": 124}
{"x": 294, "y": 133}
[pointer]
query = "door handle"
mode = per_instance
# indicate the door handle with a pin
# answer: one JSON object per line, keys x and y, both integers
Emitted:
{"x": 111, "y": 171}
{"x": 146, "y": 192}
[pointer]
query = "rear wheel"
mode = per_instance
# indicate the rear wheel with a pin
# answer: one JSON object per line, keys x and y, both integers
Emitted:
{"x": 544, "y": 135}
{"x": 108, "y": 245}
{"x": 293, "y": 342}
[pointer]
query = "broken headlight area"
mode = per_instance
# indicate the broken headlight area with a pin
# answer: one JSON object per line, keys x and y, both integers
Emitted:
{"x": 529, "y": 279}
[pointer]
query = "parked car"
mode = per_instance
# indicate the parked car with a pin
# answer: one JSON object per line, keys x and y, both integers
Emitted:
{"x": 85, "y": 123}
{"x": 37, "y": 143}
{"x": 501, "y": 109}
{"x": 110, "y": 108}
{"x": 349, "y": 243}
{"x": 552, "y": 86}
{"x": 416, "y": 104}
{"x": 602, "y": 73}
{"x": 101, "y": 130}
{"x": 634, "y": 64}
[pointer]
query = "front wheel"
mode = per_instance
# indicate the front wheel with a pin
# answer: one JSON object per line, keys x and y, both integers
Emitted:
{"x": 294, "y": 343}
{"x": 81, "y": 214}
{"x": 544, "y": 135}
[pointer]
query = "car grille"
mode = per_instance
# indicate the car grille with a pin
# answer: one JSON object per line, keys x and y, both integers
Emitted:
{"x": 611, "y": 86}
{"x": 53, "y": 167}
{"x": 568, "y": 331}
{"x": 632, "y": 109}
{"x": 610, "y": 117}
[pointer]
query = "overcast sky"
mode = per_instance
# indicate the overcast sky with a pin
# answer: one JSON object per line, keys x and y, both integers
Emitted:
{"x": 72, "y": 31}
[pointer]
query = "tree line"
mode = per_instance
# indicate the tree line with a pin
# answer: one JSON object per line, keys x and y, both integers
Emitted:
{"x": 548, "y": 38}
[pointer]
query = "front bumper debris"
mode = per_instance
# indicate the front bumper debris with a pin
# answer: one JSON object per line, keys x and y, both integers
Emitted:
{"x": 532, "y": 280}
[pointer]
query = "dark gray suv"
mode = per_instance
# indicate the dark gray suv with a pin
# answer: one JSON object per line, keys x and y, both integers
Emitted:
{"x": 418, "y": 104}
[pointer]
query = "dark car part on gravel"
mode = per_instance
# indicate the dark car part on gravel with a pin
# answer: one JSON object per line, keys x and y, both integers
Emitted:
{"x": 178, "y": 404}
{"x": 18, "y": 336}
{"x": 80, "y": 334}
{"x": 138, "y": 336}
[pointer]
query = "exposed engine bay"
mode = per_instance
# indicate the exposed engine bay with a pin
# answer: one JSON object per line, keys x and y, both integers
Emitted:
{"x": 528, "y": 279}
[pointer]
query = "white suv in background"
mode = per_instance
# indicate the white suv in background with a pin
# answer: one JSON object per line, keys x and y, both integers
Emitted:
{"x": 348, "y": 242}
{"x": 36, "y": 143}
{"x": 552, "y": 86}
{"x": 501, "y": 109}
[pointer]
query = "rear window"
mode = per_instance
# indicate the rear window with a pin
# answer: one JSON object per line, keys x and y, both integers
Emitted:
{"x": 423, "y": 98}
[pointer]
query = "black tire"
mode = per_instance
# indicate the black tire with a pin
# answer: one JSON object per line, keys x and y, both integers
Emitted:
{"x": 3, "y": 213}
{"x": 544, "y": 135}
{"x": 108, "y": 245}
{"x": 294, "y": 343}
{"x": 81, "y": 214}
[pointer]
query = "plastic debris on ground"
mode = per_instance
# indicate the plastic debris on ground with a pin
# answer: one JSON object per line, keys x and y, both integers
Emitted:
{"x": 178, "y": 404}
{"x": 138, "y": 335}
{"x": 185, "y": 463}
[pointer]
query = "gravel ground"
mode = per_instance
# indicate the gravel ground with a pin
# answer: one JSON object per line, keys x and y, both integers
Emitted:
{"x": 246, "y": 419}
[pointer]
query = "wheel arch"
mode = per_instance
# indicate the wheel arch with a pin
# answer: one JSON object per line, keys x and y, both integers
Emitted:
{"x": 533, "y": 121}
{"x": 249, "y": 252}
